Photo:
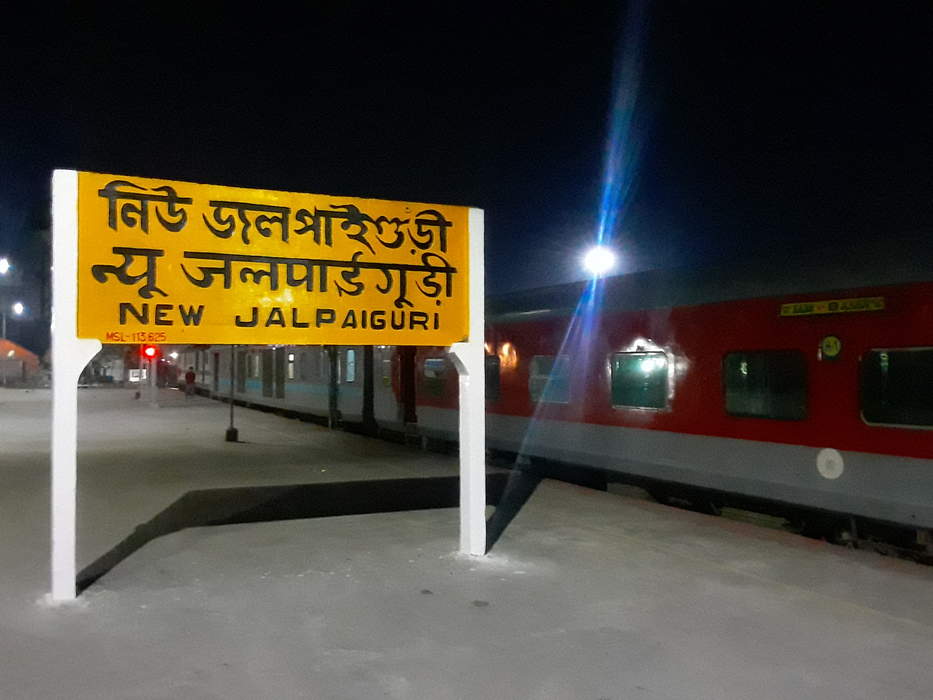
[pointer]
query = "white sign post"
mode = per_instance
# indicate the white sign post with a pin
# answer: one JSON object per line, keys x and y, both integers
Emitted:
{"x": 470, "y": 359}
{"x": 69, "y": 357}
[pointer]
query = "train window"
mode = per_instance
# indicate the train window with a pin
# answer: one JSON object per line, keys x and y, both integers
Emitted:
{"x": 290, "y": 367}
{"x": 492, "y": 378}
{"x": 349, "y": 375}
{"x": 387, "y": 372}
{"x": 435, "y": 367}
{"x": 549, "y": 379}
{"x": 766, "y": 384}
{"x": 639, "y": 379}
{"x": 435, "y": 373}
{"x": 897, "y": 387}
{"x": 255, "y": 366}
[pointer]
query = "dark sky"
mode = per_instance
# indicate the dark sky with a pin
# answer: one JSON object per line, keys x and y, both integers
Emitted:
{"x": 755, "y": 127}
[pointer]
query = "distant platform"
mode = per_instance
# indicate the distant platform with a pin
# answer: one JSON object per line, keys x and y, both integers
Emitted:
{"x": 585, "y": 595}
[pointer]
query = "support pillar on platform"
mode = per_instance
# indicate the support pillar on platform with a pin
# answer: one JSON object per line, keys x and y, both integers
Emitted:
{"x": 70, "y": 355}
{"x": 470, "y": 360}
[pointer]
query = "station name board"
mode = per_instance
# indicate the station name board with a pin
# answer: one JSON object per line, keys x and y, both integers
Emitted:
{"x": 832, "y": 306}
{"x": 177, "y": 262}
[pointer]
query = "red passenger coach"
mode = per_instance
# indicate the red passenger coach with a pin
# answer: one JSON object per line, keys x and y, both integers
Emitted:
{"x": 738, "y": 388}
{"x": 790, "y": 391}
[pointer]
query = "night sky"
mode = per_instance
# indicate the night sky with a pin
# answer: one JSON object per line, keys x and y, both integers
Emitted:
{"x": 748, "y": 129}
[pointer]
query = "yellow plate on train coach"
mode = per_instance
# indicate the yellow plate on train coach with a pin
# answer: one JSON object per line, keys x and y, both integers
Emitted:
{"x": 832, "y": 306}
{"x": 177, "y": 262}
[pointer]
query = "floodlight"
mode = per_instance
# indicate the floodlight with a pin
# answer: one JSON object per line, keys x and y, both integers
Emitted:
{"x": 599, "y": 260}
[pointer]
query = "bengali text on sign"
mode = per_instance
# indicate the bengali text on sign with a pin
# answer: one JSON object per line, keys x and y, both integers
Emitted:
{"x": 177, "y": 262}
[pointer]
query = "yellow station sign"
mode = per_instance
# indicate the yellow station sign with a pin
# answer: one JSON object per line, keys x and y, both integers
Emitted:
{"x": 832, "y": 306}
{"x": 176, "y": 262}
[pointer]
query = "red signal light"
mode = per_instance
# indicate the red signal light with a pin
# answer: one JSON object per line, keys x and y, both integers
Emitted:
{"x": 150, "y": 352}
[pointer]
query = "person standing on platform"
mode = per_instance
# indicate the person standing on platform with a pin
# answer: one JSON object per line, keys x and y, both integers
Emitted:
{"x": 189, "y": 382}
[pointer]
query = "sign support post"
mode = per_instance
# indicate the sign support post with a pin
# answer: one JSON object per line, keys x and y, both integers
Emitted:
{"x": 69, "y": 357}
{"x": 470, "y": 360}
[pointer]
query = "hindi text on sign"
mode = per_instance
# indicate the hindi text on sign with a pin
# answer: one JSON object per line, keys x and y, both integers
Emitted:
{"x": 267, "y": 267}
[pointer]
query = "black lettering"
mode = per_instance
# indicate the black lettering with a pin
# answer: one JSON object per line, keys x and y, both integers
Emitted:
{"x": 142, "y": 315}
{"x": 400, "y": 324}
{"x": 161, "y": 311}
{"x": 417, "y": 318}
{"x": 377, "y": 320}
{"x": 189, "y": 316}
{"x": 102, "y": 272}
{"x": 295, "y": 322}
{"x": 322, "y": 316}
{"x": 349, "y": 321}
{"x": 437, "y": 320}
{"x": 276, "y": 317}
{"x": 248, "y": 324}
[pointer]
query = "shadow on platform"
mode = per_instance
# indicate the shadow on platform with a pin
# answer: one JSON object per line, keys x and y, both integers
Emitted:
{"x": 252, "y": 504}
{"x": 518, "y": 489}
{"x": 521, "y": 484}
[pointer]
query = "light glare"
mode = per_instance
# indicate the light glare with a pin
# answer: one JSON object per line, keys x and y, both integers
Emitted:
{"x": 599, "y": 260}
{"x": 650, "y": 364}
{"x": 18, "y": 308}
{"x": 4, "y": 266}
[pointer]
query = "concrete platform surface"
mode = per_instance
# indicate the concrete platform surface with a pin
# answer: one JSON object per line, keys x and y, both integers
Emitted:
{"x": 135, "y": 460}
{"x": 586, "y": 595}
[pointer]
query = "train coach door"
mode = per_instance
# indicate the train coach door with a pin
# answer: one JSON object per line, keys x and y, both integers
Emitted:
{"x": 406, "y": 383}
{"x": 333, "y": 381}
{"x": 369, "y": 383}
{"x": 280, "y": 373}
{"x": 215, "y": 377}
{"x": 242, "y": 357}
{"x": 268, "y": 371}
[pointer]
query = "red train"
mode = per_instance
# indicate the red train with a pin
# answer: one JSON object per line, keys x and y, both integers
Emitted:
{"x": 815, "y": 405}
{"x": 818, "y": 400}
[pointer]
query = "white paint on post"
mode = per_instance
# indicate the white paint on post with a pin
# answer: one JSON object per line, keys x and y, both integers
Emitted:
{"x": 69, "y": 357}
{"x": 469, "y": 358}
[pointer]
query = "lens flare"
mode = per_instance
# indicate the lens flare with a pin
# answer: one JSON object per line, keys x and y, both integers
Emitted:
{"x": 623, "y": 146}
{"x": 599, "y": 260}
{"x": 623, "y": 143}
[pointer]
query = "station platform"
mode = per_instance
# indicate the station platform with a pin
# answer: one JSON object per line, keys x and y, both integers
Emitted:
{"x": 585, "y": 594}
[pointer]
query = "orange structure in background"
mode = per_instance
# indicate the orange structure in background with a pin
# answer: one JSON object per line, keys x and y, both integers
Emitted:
{"x": 17, "y": 364}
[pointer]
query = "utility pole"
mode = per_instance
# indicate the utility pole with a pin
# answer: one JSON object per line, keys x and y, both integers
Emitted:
{"x": 232, "y": 433}
{"x": 153, "y": 386}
